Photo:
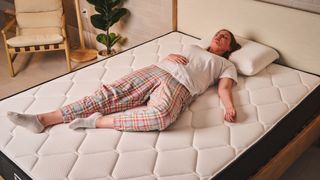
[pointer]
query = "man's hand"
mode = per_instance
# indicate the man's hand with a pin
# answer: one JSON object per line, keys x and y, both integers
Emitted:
{"x": 230, "y": 114}
{"x": 177, "y": 58}
{"x": 225, "y": 93}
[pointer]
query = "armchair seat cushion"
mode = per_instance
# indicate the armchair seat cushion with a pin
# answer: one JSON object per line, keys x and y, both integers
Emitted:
{"x": 32, "y": 40}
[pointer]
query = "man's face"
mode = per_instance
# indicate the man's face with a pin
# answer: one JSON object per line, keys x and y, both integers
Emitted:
{"x": 221, "y": 41}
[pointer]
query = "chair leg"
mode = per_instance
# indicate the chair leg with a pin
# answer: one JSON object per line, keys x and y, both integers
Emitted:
{"x": 67, "y": 52}
{"x": 10, "y": 63}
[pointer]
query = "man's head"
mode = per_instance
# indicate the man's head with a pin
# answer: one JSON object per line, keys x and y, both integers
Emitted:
{"x": 223, "y": 43}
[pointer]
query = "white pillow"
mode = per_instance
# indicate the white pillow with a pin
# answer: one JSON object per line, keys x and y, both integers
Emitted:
{"x": 251, "y": 58}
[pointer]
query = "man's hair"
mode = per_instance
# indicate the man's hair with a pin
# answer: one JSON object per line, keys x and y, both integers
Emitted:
{"x": 233, "y": 44}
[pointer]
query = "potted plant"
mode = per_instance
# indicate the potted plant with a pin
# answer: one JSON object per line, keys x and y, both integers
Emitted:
{"x": 108, "y": 13}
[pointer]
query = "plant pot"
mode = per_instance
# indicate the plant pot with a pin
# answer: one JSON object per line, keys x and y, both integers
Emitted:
{"x": 104, "y": 53}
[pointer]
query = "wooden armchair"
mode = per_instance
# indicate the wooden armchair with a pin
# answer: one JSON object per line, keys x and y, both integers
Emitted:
{"x": 40, "y": 26}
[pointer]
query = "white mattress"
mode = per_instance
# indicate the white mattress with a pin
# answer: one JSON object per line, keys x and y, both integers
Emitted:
{"x": 197, "y": 146}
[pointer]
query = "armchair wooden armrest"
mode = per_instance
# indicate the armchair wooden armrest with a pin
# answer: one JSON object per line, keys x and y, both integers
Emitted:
{"x": 63, "y": 19}
{"x": 9, "y": 12}
{"x": 8, "y": 26}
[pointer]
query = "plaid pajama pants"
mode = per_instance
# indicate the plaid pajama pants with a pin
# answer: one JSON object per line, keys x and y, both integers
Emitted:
{"x": 163, "y": 95}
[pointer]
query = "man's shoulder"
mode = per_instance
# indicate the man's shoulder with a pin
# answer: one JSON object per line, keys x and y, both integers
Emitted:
{"x": 193, "y": 47}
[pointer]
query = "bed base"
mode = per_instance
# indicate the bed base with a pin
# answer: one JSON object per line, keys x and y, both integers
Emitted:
{"x": 290, "y": 153}
{"x": 10, "y": 171}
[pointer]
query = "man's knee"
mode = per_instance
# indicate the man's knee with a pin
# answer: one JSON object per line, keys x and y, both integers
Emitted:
{"x": 165, "y": 120}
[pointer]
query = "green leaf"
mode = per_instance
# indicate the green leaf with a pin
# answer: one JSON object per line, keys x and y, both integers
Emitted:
{"x": 100, "y": 10}
{"x": 116, "y": 15}
{"x": 112, "y": 36}
{"x": 109, "y": 4}
{"x": 115, "y": 3}
{"x": 99, "y": 22}
{"x": 115, "y": 40}
{"x": 99, "y": 3}
{"x": 102, "y": 38}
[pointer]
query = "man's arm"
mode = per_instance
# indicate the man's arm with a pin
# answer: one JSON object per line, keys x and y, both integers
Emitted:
{"x": 177, "y": 58}
{"x": 225, "y": 93}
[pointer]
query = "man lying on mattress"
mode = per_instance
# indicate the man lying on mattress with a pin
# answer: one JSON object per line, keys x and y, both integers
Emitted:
{"x": 166, "y": 87}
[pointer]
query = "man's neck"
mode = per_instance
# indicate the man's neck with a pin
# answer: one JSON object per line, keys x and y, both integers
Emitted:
{"x": 211, "y": 50}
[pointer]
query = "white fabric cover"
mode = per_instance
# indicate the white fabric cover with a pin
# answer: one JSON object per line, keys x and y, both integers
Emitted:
{"x": 38, "y": 13}
{"x": 40, "y": 19}
{"x": 197, "y": 146}
{"x": 36, "y": 36}
{"x": 46, "y": 30}
{"x": 31, "y": 40}
{"x": 251, "y": 58}
{"x": 37, "y": 5}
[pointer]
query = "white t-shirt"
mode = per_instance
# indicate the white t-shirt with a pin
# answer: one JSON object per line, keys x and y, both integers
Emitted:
{"x": 203, "y": 70}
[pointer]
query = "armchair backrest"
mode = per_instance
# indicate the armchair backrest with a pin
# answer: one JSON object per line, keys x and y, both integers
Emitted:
{"x": 38, "y": 13}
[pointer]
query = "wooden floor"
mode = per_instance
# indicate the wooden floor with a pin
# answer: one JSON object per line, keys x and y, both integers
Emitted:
{"x": 306, "y": 167}
{"x": 32, "y": 69}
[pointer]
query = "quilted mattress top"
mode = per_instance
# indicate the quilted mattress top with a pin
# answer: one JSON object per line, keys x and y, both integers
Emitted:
{"x": 197, "y": 146}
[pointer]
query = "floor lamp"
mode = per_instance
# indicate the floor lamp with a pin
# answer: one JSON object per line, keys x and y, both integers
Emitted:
{"x": 81, "y": 54}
